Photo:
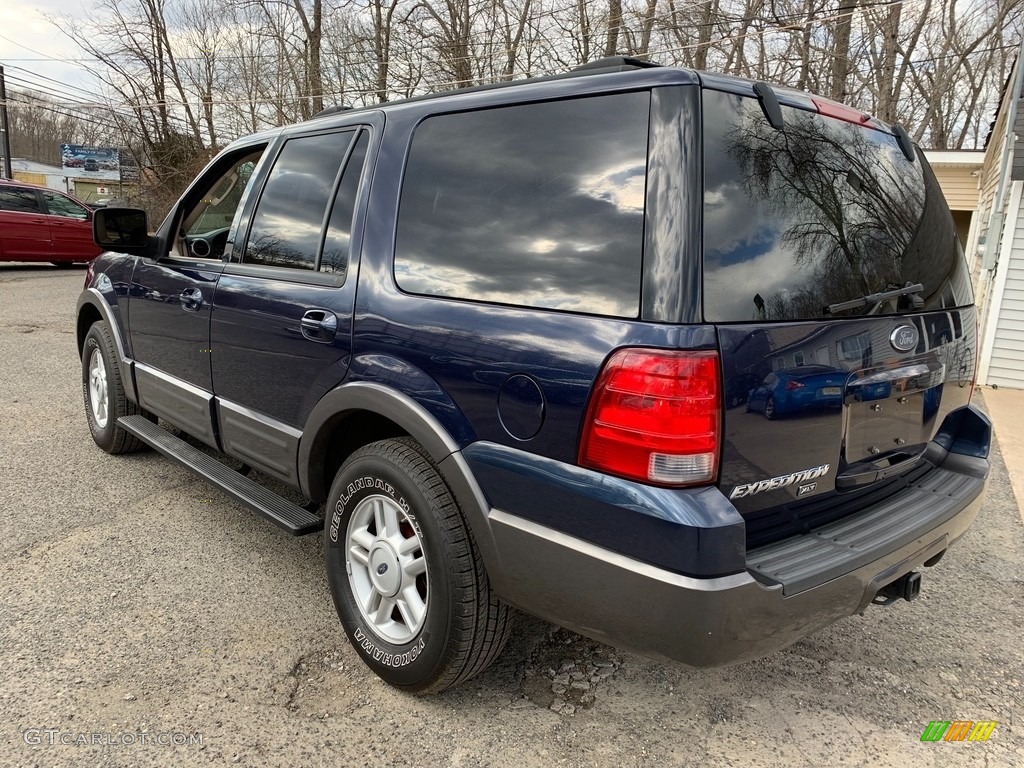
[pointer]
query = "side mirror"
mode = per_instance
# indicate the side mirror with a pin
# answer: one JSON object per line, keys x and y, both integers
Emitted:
{"x": 124, "y": 230}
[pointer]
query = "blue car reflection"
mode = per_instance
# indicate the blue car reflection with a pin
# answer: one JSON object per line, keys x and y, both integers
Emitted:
{"x": 792, "y": 390}
{"x": 875, "y": 390}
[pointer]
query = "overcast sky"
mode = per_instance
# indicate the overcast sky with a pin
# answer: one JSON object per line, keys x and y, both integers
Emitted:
{"x": 29, "y": 43}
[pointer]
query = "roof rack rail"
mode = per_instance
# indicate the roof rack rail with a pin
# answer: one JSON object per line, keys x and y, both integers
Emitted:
{"x": 614, "y": 64}
{"x": 600, "y": 66}
{"x": 769, "y": 105}
{"x": 905, "y": 142}
{"x": 332, "y": 110}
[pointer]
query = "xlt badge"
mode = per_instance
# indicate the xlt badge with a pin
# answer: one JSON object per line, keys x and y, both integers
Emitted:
{"x": 774, "y": 483}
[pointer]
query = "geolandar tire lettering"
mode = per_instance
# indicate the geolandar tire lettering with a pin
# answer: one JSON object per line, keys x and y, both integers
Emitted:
{"x": 350, "y": 490}
{"x": 404, "y": 572}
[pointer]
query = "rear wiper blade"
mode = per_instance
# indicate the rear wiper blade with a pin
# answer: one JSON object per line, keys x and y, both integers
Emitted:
{"x": 878, "y": 298}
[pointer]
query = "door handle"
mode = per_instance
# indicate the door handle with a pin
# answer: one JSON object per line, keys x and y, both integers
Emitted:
{"x": 191, "y": 299}
{"x": 319, "y": 325}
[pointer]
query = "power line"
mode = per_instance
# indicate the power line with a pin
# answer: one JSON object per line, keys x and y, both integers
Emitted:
{"x": 554, "y": 13}
{"x": 62, "y": 83}
{"x": 96, "y": 102}
{"x": 549, "y": 71}
{"x": 15, "y": 103}
{"x": 21, "y": 45}
{"x": 461, "y": 82}
{"x": 49, "y": 91}
{"x": 771, "y": 27}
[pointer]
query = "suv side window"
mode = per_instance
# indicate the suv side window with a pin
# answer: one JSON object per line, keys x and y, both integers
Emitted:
{"x": 221, "y": 202}
{"x": 338, "y": 243}
{"x": 59, "y": 205}
{"x": 19, "y": 199}
{"x": 538, "y": 205}
{"x": 287, "y": 225}
{"x": 208, "y": 212}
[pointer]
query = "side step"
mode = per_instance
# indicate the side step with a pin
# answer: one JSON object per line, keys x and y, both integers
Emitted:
{"x": 281, "y": 512}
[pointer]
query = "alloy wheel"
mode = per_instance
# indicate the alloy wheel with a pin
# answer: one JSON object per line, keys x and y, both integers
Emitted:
{"x": 387, "y": 569}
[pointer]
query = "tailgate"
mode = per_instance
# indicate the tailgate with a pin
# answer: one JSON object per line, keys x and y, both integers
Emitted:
{"x": 841, "y": 297}
{"x": 797, "y": 446}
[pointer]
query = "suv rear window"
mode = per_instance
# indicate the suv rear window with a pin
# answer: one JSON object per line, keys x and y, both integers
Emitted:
{"x": 539, "y": 205}
{"x": 819, "y": 213}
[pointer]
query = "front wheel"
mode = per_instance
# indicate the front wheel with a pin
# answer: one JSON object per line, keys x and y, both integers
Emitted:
{"x": 407, "y": 580}
{"x": 103, "y": 391}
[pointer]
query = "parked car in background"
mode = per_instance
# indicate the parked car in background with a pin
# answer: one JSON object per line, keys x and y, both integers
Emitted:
{"x": 792, "y": 390}
{"x": 41, "y": 224}
{"x": 107, "y": 202}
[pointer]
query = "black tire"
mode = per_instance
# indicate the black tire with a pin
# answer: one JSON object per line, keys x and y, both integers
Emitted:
{"x": 108, "y": 436}
{"x": 464, "y": 626}
{"x": 769, "y": 408}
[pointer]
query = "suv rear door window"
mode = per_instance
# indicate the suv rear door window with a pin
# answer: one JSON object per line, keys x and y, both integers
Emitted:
{"x": 19, "y": 199}
{"x": 819, "y": 213}
{"x": 287, "y": 226}
{"x": 338, "y": 242}
{"x": 538, "y": 205}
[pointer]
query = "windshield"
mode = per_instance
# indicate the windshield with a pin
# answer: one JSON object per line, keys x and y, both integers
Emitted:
{"x": 809, "y": 221}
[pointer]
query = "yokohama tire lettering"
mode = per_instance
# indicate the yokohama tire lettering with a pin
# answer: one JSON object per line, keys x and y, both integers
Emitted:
{"x": 383, "y": 657}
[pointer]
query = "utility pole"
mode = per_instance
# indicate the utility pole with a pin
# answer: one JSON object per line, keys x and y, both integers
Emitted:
{"x": 5, "y": 127}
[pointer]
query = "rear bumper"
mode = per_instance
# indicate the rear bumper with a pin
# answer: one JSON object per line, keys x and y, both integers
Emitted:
{"x": 788, "y": 590}
{"x": 843, "y": 546}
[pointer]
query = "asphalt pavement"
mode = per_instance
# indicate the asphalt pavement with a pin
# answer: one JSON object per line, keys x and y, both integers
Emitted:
{"x": 146, "y": 620}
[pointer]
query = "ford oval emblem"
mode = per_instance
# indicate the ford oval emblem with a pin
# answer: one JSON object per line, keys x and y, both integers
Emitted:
{"x": 382, "y": 569}
{"x": 904, "y": 338}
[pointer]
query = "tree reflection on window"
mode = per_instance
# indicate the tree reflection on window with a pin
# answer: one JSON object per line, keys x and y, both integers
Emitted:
{"x": 847, "y": 204}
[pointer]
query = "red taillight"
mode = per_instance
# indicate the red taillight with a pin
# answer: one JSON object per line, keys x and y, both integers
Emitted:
{"x": 791, "y": 385}
{"x": 655, "y": 416}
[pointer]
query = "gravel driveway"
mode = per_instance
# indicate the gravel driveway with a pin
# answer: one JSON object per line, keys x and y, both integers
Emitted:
{"x": 147, "y": 620}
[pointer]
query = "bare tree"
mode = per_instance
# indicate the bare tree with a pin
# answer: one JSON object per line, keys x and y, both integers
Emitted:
{"x": 611, "y": 45}
{"x": 188, "y": 75}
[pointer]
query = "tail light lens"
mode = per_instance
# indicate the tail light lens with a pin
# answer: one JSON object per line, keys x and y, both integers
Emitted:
{"x": 791, "y": 385}
{"x": 655, "y": 416}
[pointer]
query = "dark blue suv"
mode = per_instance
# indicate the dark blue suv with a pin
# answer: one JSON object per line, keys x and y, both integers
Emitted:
{"x": 504, "y": 338}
